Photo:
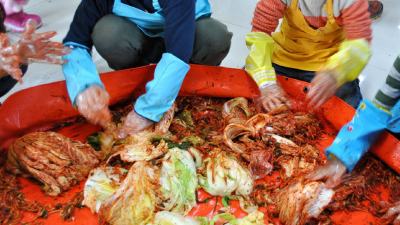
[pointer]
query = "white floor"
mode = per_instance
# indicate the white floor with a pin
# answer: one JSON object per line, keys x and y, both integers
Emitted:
{"x": 236, "y": 14}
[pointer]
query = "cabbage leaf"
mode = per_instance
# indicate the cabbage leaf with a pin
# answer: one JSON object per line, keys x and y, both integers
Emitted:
{"x": 100, "y": 185}
{"x": 178, "y": 181}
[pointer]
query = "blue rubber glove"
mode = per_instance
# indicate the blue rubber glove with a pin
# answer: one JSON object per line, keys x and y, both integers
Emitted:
{"x": 356, "y": 137}
{"x": 162, "y": 91}
{"x": 80, "y": 71}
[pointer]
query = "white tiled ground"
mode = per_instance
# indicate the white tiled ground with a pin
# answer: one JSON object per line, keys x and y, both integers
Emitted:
{"x": 237, "y": 15}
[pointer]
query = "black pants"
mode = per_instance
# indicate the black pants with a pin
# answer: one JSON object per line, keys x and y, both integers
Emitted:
{"x": 7, "y": 82}
{"x": 123, "y": 45}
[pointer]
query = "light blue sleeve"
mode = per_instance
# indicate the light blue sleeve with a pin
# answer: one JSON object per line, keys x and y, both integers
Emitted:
{"x": 162, "y": 91}
{"x": 80, "y": 71}
{"x": 356, "y": 137}
{"x": 394, "y": 124}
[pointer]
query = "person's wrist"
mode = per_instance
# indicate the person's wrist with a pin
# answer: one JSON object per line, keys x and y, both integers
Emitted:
{"x": 337, "y": 78}
{"x": 267, "y": 86}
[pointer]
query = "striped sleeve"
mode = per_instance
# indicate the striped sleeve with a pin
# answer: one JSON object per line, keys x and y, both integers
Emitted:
{"x": 267, "y": 15}
{"x": 389, "y": 93}
{"x": 356, "y": 21}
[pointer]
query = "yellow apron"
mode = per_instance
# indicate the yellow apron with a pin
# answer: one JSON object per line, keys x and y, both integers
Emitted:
{"x": 299, "y": 46}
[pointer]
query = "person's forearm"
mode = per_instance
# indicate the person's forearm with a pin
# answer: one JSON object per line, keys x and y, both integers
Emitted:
{"x": 356, "y": 21}
{"x": 258, "y": 62}
{"x": 80, "y": 71}
{"x": 267, "y": 15}
{"x": 179, "y": 28}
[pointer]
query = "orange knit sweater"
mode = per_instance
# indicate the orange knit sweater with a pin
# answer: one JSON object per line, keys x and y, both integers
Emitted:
{"x": 352, "y": 15}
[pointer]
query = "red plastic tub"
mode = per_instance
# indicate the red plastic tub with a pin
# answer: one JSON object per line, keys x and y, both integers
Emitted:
{"x": 40, "y": 108}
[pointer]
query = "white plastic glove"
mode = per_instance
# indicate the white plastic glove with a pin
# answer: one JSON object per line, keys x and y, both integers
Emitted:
{"x": 272, "y": 95}
{"x": 31, "y": 48}
{"x": 342, "y": 67}
{"x": 38, "y": 48}
{"x": 392, "y": 211}
{"x": 323, "y": 87}
{"x": 133, "y": 124}
{"x": 332, "y": 173}
{"x": 93, "y": 105}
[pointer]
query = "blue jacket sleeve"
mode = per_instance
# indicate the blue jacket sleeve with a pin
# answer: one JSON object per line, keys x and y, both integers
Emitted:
{"x": 86, "y": 16}
{"x": 179, "y": 27}
{"x": 80, "y": 71}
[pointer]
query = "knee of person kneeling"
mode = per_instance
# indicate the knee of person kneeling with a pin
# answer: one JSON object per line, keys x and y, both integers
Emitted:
{"x": 211, "y": 54}
{"x": 220, "y": 45}
{"x": 114, "y": 33}
{"x": 107, "y": 28}
{"x": 212, "y": 42}
{"x": 115, "y": 38}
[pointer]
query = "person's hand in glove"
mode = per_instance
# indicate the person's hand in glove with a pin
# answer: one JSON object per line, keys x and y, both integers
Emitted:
{"x": 324, "y": 86}
{"x": 352, "y": 142}
{"x": 133, "y": 124}
{"x": 38, "y": 48}
{"x": 9, "y": 60}
{"x": 272, "y": 95}
{"x": 93, "y": 105}
{"x": 342, "y": 67}
{"x": 259, "y": 67}
{"x": 332, "y": 173}
{"x": 392, "y": 214}
{"x": 31, "y": 48}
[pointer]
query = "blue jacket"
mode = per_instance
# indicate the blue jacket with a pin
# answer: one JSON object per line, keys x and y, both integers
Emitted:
{"x": 179, "y": 23}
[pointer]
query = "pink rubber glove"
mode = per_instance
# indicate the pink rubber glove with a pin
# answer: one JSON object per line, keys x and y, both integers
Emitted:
{"x": 332, "y": 173}
{"x": 272, "y": 96}
{"x": 133, "y": 124}
{"x": 9, "y": 60}
{"x": 38, "y": 48}
{"x": 323, "y": 87}
{"x": 93, "y": 105}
